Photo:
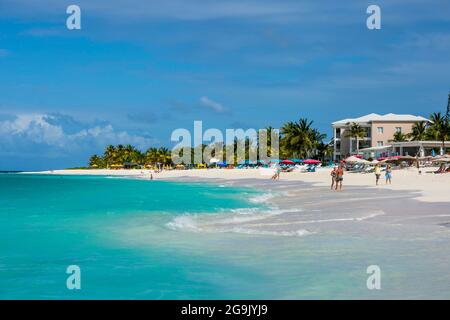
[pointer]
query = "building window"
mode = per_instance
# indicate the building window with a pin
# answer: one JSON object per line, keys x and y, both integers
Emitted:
{"x": 380, "y": 130}
{"x": 338, "y": 133}
{"x": 379, "y": 143}
{"x": 398, "y": 129}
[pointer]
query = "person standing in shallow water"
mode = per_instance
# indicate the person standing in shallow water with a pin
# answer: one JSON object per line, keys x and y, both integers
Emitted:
{"x": 339, "y": 177}
{"x": 388, "y": 174}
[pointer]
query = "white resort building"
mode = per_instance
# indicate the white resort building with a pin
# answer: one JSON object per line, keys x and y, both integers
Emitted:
{"x": 379, "y": 135}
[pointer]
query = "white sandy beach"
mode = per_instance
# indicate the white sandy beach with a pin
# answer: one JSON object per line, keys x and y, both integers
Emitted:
{"x": 428, "y": 186}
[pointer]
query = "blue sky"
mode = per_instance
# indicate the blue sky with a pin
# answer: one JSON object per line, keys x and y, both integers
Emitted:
{"x": 137, "y": 70}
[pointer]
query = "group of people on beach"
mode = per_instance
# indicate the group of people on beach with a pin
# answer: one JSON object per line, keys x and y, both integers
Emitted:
{"x": 388, "y": 173}
{"x": 337, "y": 176}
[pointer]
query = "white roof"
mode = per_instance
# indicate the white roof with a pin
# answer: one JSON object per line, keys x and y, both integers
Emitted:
{"x": 390, "y": 117}
{"x": 376, "y": 148}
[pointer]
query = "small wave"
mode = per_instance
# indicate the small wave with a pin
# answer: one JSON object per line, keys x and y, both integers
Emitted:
{"x": 242, "y": 211}
{"x": 369, "y": 216}
{"x": 188, "y": 223}
{"x": 295, "y": 233}
{"x": 184, "y": 223}
{"x": 262, "y": 198}
{"x": 223, "y": 220}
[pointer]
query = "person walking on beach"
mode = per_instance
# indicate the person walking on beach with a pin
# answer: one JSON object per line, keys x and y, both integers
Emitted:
{"x": 333, "y": 177}
{"x": 377, "y": 173}
{"x": 339, "y": 177}
{"x": 418, "y": 165}
{"x": 388, "y": 174}
{"x": 277, "y": 170}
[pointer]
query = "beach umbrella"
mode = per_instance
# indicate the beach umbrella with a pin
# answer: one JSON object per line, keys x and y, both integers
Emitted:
{"x": 352, "y": 159}
{"x": 296, "y": 160}
{"x": 364, "y": 161}
{"x": 406, "y": 158}
{"x": 442, "y": 160}
{"x": 391, "y": 159}
{"x": 312, "y": 161}
{"x": 222, "y": 164}
{"x": 214, "y": 160}
{"x": 287, "y": 162}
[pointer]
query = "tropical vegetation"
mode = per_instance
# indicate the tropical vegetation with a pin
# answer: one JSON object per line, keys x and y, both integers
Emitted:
{"x": 297, "y": 139}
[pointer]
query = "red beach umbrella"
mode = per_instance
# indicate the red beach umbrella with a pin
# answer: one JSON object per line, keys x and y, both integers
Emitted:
{"x": 312, "y": 161}
{"x": 287, "y": 162}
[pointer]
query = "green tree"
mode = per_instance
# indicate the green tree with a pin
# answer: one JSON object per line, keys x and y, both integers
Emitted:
{"x": 418, "y": 131}
{"x": 299, "y": 139}
{"x": 109, "y": 155}
{"x": 325, "y": 150}
{"x": 439, "y": 128}
{"x": 151, "y": 156}
{"x": 164, "y": 156}
{"x": 357, "y": 132}
{"x": 96, "y": 162}
{"x": 399, "y": 137}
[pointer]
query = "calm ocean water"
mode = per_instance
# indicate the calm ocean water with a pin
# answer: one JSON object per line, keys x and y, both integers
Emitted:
{"x": 123, "y": 235}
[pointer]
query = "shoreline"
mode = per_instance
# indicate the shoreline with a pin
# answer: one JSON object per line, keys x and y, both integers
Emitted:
{"x": 432, "y": 187}
{"x": 302, "y": 204}
{"x": 308, "y": 232}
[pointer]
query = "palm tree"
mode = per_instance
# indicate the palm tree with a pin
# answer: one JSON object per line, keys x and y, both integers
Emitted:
{"x": 269, "y": 132}
{"x": 325, "y": 150}
{"x": 317, "y": 139}
{"x": 418, "y": 131}
{"x": 298, "y": 139}
{"x": 151, "y": 156}
{"x": 439, "y": 128}
{"x": 95, "y": 161}
{"x": 109, "y": 155}
{"x": 129, "y": 153}
{"x": 164, "y": 156}
{"x": 120, "y": 154}
{"x": 357, "y": 132}
{"x": 399, "y": 137}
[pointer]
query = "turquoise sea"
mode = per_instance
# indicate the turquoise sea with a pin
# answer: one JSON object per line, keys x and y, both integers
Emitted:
{"x": 118, "y": 232}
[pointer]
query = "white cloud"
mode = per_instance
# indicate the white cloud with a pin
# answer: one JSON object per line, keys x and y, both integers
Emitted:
{"x": 213, "y": 105}
{"x": 49, "y": 130}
